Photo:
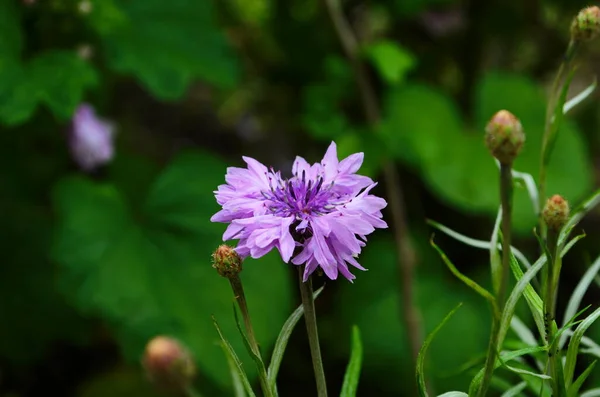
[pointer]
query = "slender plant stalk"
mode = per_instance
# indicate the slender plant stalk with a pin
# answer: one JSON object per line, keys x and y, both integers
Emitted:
{"x": 552, "y": 280}
{"x": 506, "y": 189}
{"x": 552, "y": 103}
{"x": 310, "y": 317}
{"x": 240, "y": 297}
{"x": 407, "y": 258}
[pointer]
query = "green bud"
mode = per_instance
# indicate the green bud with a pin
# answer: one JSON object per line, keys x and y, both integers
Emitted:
{"x": 586, "y": 25}
{"x": 556, "y": 212}
{"x": 227, "y": 262}
{"x": 168, "y": 364}
{"x": 504, "y": 136}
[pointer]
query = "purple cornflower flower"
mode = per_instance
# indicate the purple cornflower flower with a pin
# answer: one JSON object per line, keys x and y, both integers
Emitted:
{"x": 91, "y": 139}
{"x": 321, "y": 214}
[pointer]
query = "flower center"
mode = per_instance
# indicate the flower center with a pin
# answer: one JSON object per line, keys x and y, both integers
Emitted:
{"x": 299, "y": 197}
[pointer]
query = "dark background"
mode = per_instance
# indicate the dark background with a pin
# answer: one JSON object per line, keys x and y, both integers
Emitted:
{"x": 94, "y": 265}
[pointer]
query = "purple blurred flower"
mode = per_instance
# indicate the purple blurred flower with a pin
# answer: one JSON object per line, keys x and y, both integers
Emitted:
{"x": 91, "y": 139}
{"x": 321, "y": 214}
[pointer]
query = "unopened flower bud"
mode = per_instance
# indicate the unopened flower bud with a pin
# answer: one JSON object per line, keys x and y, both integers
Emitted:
{"x": 227, "y": 262}
{"x": 556, "y": 212}
{"x": 168, "y": 364}
{"x": 586, "y": 25}
{"x": 504, "y": 136}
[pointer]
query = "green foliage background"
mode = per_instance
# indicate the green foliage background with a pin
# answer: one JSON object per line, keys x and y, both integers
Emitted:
{"x": 97, "y": 264}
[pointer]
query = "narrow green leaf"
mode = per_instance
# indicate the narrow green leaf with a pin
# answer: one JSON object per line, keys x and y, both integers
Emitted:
{"x": 591, "y": 393}
{"x": 495, "y": 260}
{"x": 582, "y": 96}
{"x": 282, "y": 341}
{"x": 577, "y": 214}
{"x": 578, "y": 293}
{"x": 238, "y": 386}
{"x": 230, "y": 354}
{"x": 508, "y": 356}
{"x": 532, "y": 298}
{"x": 256, "y": 357}
{"x": 515, "y": 390}
{"x": 421, "y": 357}
{"x": 454, "y": 394}
{"x": 470, "y": 283}
{"x": 573, "y": 348}
{"x": 574, "y": 388}
{"x": 352, "y": 375}
{"x": 527, "y": 180}
{"x": 522, "y": 331}
{"x": 477, "y": 243}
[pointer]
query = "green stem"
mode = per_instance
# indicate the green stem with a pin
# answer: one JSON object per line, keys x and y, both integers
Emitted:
{"x": 552, "y": 102}
{"x": 555, "y": 262}
{"x": 240, "y": 297}
{"x": 306, "y": 292}
{"x": 506, "y": 189}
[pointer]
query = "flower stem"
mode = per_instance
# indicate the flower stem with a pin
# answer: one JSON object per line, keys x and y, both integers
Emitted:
{"x": 240, "y": 297}
{"x": 506, "y": 189}
{"x": 548, "y": 127}
{"x": 306, "y": 292}
{"x": 407, "y": 258}
{"x": 552, "y": 280}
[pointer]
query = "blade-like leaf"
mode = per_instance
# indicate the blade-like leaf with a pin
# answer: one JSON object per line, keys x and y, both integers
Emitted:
{"x": 577, "y": 99}
{"x": 505, "y": 357}
{"x": 573, "y": 348}
{"x": 574, "y": 388}
{"x": 515, "y": 390}
{"x": 282, "y": 341}
{"x": 238, "y": 385}
{"x": 470, "y": 283}
{"x": 556, "y": 120}
{"x": 522, "y": 331}
{"x": 255, "y": 356}
{"x": 454, "y": 394}
{"x": 230, "y": 353}
{"x": 535, "y": 303}
{"x": 477, "y": 243}
{"x": 353, "y": 370}
{"x": 495, "y": 260}
{"x": 591, "y": 393}
{"x": 577, "y": 295}
{"x": 421, "y": 357}
{"x": 578, "y": 214}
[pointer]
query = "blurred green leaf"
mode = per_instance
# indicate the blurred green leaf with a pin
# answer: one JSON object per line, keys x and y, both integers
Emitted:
{"x": 387, "y": 356}
{"x": 168, "y": 45}
{"x": 453, "y": 159}
{"x": 56, "y": 78}
{"x": 120, "y": 382}
{"x": 11, "y": 40}
{"x": 391, "y": 60}
{"x": 147, "y": 269}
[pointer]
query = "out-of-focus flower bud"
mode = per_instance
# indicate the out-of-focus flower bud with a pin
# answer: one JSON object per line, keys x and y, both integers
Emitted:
{"x": 556, "y": 212}
{"x": 168, "y": 364}
{"x": 586, "y": 25}
{"x": 227, "y": 262}
{"x": 91, "y": 139}
{"x": 504, "y": 136}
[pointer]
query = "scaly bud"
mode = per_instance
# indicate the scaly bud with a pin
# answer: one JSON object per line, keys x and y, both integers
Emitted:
{"x": 168, "y": 364}
{"x": 556, "y": 212}
{"x": 586, "y": 25}
{"x": 227, "y": 262}
{"x": 504, "y": 136}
